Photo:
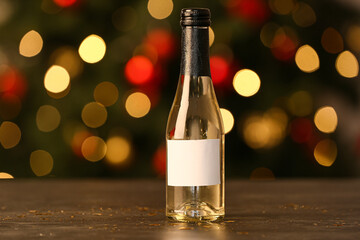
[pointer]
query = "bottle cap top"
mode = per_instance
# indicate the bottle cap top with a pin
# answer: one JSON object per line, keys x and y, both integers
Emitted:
{"x": 195, "y": 17}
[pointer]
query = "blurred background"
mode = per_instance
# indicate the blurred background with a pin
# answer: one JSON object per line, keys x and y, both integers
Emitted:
{"x": 86, "y": 86}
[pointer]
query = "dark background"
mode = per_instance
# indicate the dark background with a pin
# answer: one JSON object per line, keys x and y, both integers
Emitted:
{"x": 129, "y": 31}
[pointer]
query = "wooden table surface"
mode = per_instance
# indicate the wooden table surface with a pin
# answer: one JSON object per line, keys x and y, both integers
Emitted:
{"x": 134, "y": 209}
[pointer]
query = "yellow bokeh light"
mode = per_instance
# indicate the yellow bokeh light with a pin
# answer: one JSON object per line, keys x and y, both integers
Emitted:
{"x": 30, "y": 44}
{"x": 307, "y": 59}
{"x": 94, "y": 114}
{"x": 57, "y": 79}
{"x": 47, "y": 118}
{"x": 160, "y": 9}
{"x": 228, "y": 119}
{"x": 303, "y": 15}
{"x": 10, "y": 134}
{"x": 326, "y": 119}
{"x": 60, "y": 94}
{"x": 325, "y": 152}
{"x": 268, "y": 32}
{"x": 93, "y": 149}
{"x": 118, "y": 150}
{"x": 353, "y": 37}
{"x": 300, "y": 103}
{"x": 262, "y": 173}
{"x": 211, "y": 36}
{"x": 41, "y": 162}
{"x": 68, "y": 58}
{"x": 106, "y": 93}
{"x": 246, "y": 82}
{"x": 137, "y": 105}
{"x": 92, "y": 49}
{"x": 282, "y": 6}
{"x": 267, "y": 130}
{"x": 332, "y": 41}
{"x": 4, "y": 175}
{"x": 347, "y": 65}
{"x": 256, "y": 134}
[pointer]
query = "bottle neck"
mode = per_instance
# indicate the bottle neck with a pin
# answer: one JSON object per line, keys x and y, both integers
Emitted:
{"x": 195, "y": 51}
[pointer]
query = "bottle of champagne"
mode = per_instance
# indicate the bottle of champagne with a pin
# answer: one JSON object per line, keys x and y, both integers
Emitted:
{"x": 195, "y": 132}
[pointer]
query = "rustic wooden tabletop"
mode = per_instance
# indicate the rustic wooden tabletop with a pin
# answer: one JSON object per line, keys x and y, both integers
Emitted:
{"x": 134, "y": 209}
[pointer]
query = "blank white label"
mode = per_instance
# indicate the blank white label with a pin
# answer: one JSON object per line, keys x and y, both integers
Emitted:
{"x": 193, "y": 162}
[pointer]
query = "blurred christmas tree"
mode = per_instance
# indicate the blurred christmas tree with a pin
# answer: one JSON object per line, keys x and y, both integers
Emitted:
{"x": 86, "y": 86}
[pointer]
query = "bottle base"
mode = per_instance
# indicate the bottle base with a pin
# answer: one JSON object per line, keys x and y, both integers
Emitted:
{"x": 181, "y": 218}
{"x": 195, "y": 212}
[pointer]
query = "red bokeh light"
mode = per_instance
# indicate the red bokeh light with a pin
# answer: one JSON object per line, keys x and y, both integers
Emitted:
{"x": 12, "y": 82}
{"x": 163, "y": 41}
{"x": 64, "y": 3}
{"x": 139, "y": 70}
{"x": 253, "y": 11}
{"x": 219, "y": 69}
{"x": 159, "y": 161}
{"x": 283, "y": 47}
{"x": 301, "y": 130}
{"x": 77, "y": 141}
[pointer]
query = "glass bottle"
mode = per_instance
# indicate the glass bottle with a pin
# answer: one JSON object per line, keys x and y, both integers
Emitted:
{"x": 195, "y": 132}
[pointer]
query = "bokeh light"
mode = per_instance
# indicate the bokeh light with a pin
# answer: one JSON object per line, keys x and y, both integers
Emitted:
{"x": 6, "y": 11}
{"x": 282, "y": 7}
{"x": 325, "y": 152}
{"x": 228, "y": 119}
{"x": 78, "y": 137}
{"x": 219, "y": 69}
{"x": 68, "y": 58}
{"x": 347, "y": 65}
{"x": 211, "y": 36}
{"x": 326, "y": 119}
{"x": 265, "y": 130}
{"x": 31, "y": 44}
{"x": 60, "y": 94}
{"x": 137, "y": 104}
{"x": 301, "y": 130}
{"x": 118, "y": 150}
{"x": 300, "y": 103}
{"x": 41, "y": 162}
{"x": 268, "y": 32}
{"x": 92, "y": 49}
{"x": 353, "y": 37}
{"x": 139, "y": 70}
{"x": 246, "y": 82}
{"x": 10, "y": 134}
{"x": 56, "y": 79}
{"x": 10, "y": 106}
{"x": 4, "y": 175}
{"x": 47, "y": 118}
{"x": 303, "y": 15}
{"x": 12, "y": 81}
{"x": 307, "y": 59}
{"x": 94, "y": 114}
{"x": 163, "y": 41}
{"x": 284, "y": 43}
{"x": 262, "y": 173}
{"x": 332, "y": 41}
{"x": 106, "y": 93}
{"x": 93, "y": 149}
{"x": 160, "y": 9}
{"x": 125, "y": 18}
{"x": 64, "y": 3}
